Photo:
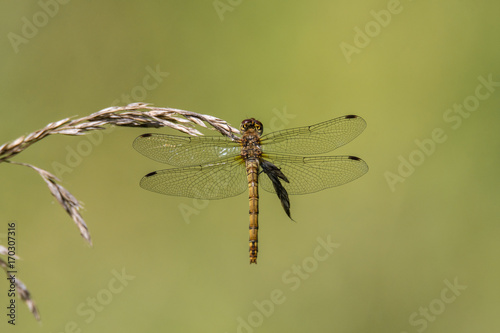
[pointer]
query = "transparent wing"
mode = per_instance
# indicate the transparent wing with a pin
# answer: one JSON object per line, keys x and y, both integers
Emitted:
{"x": 315, "y": 139}
{"x": 183, "y": 150}
{"x": 312, "y": 174}
{"x": 222, "y": 179}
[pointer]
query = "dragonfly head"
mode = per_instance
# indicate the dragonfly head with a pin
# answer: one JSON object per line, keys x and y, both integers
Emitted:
{"x": 251, "y": 124}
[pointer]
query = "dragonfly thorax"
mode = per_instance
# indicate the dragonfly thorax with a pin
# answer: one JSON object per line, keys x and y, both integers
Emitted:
{"x": 250, "y": 145}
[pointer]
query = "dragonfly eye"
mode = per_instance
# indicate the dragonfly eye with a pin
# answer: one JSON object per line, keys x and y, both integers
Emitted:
{"x": 244, "y": 125}
{"x": 258, "y": 126}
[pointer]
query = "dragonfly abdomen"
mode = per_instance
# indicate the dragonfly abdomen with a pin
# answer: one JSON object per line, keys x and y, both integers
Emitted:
{"x": 252, "y": 168}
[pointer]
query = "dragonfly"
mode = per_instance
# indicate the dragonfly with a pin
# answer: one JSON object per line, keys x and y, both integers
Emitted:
{"x": 211, "y": 167}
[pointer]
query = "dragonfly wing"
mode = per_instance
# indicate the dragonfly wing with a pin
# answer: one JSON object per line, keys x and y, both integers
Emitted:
{"x": 315, "y": 139}
{"x": 223, "y": 179}
{"x": 183, "y": 150}
{"x": 312, "y": 174}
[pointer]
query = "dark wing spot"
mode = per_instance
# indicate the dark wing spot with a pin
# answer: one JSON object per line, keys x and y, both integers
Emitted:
{"x": 146, "y": 135}
{"x": 355, "y": 158}
{"x": 351, "y": 116}
{"x": 151, "y": 174}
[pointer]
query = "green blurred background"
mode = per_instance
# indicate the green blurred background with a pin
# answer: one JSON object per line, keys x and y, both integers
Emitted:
{"x": 401, "y": 246}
